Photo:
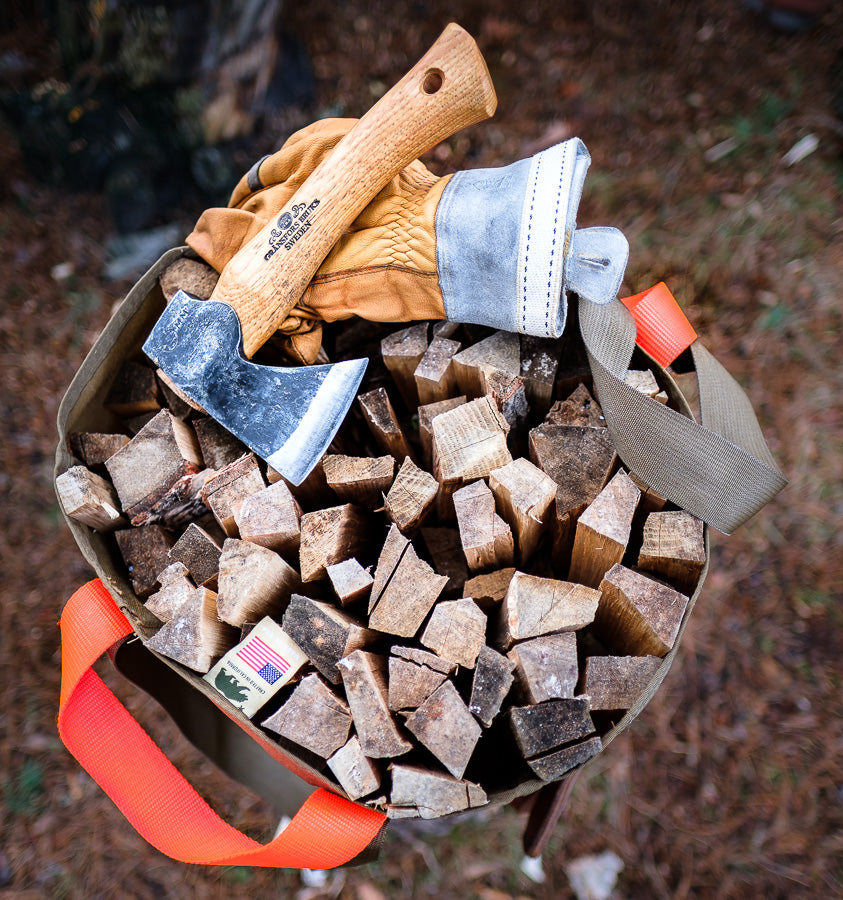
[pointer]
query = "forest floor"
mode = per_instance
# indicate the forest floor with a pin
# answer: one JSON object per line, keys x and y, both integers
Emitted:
{"x": 730, "y": 783}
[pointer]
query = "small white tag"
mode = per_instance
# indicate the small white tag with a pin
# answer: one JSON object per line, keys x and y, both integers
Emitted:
{"x": 258, "y": 667}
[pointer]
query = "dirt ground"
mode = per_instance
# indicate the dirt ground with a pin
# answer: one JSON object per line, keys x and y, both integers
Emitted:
{"x": 730, "y": 784}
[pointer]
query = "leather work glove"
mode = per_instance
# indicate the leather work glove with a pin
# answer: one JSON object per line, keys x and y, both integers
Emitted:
{"x": 496, "y": 247}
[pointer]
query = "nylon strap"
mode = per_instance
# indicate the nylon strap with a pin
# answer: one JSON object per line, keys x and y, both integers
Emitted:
{"x": 163, "y": 807}
{"x": 720, "y": 471}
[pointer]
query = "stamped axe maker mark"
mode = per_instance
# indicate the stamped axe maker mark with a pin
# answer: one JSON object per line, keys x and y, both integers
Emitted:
{"x": 288, "y": 416}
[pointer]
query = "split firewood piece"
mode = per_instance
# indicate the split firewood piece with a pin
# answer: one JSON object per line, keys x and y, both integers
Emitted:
{"x": 312, "y": 493}
{"x": 90, "y": 499}
{"x": 434, "y": 374}
{"x": 507, "y": 393}
{"x": 488, "y": 589}
{"x": 468, "y": 442}
{"x": 383, "y": 423}
{"x": 94, "y": 448}
{"x": 552, "y": 766}
{"x": 500, "y": 352}
{"x": 486, "y": 538}
{"x": 413, "y": 676}
{"x": 535, "y": 606}
{"x": 603, "y": 530}
{"x": 255, "y": 670}
{"x": 539, "y": 362}
{"x": 541, "y": 727}
{"x": 357, "y": 775}
{"x": 350, "y": 581}
{"x": 546, "y": 667}
{"x": 190, "y": 275}
{"x": 200, "y": 553}
{"x": 492, "y": 680}
{"x": 645, "y": 382}
{"x": 524, "y": 495}
{"x": 134, "y": 391}
{"x": 313, "y": 716}
{"x": 650, "y": 502}
{"x": 580, "y": 408}
{"x": 175, "y": 589}
{"x": 229, "y": 487}
{"x": 404, "y": 590}
{"x": 456, "y": 631}
{"x": 429, "y": 795}
{"x": 329, "y": 536}
{"x": 445, "y": 726}
{"x": 638, "y": 615}
{"x": 253, "y": 582}
{"x": 674, "y": 549}
{"x": 364, "y": 678}
{"x": 271, "y": 517}
{"x": 195, "y": 637}
{"x": 616, "y": 682}
{"x": 402, "y": 352}
{"x": 411, "y": 497}
{"x": 219, "y": 446}
{"x": 155, "y": 470}
{"x": 580, "y": 460}
{"x": 175, "y": 399}
{"x": 445, "y": 549}
{"x": 145, "y": 550}
{"x": 325, "y": 634}
{"x": 689, "y": 385}
{"x": 359, "y": 479}
{"x": 427, "y": 413}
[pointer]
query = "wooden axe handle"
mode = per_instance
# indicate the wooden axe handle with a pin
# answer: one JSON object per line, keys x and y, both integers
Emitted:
{"x": 448, "y": 89}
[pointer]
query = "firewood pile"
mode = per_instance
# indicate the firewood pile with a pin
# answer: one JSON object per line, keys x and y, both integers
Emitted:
{"x": 465, "y": 594}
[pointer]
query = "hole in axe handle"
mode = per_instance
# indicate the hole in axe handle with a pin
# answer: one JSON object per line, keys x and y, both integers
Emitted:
{"x": 433, "y": 79}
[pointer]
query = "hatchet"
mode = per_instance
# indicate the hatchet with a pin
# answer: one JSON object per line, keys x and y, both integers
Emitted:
{"x": 288, "y": 416}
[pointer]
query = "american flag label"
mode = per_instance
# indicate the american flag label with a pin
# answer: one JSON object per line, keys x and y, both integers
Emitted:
{"x": 258, "y": 667}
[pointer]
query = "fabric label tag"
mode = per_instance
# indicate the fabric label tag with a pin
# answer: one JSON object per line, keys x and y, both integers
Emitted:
{"x": 258, "y": 667}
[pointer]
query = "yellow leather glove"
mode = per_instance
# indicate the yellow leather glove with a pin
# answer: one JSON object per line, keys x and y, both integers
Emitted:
{"x": 492, "y": 246}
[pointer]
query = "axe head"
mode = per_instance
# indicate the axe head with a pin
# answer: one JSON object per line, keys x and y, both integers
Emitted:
{"x": 288, "y": 416}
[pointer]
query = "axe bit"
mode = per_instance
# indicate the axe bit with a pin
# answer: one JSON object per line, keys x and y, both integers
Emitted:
{"x": 289, "y": 416}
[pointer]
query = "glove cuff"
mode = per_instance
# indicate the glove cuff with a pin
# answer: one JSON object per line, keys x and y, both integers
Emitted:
{"x": 507, "y": 248}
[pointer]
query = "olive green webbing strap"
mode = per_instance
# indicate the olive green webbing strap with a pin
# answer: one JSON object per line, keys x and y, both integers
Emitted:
{"x": 720, "y": 471}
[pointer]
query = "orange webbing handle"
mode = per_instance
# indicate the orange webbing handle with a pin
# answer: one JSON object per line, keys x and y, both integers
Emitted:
{"x": 120, "y": 756}
{"x": 661, "y": 327}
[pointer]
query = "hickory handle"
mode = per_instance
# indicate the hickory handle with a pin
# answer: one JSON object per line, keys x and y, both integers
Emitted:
{"x": 448, "y": 89}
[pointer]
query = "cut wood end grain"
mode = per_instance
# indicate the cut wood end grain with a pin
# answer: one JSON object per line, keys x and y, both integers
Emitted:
{"x": 617, "y": 682}
{"x": 314, "y": 717}
{"x": 329, "y": 536}
{"x": 350, "y": 581}
{"x": 410, "y": 499}
{"x": 673, "y": 547}
{"x": 486, "y": 538}
{"x": 534, "y": 606}
{"x": 444, "y": 725}
{"x": 90, "y": 499}
{"x": 253, "y": 582}
{"x": 364, "y": 678}
{"x": 229, "y": 487}
{"x": 362, "y": 480}
{"x": 638, "y": 615}
{"x": 270, "y": 517}
{"x": 456, "y": 631}
{"x": 195, "y": 637}
{"x": 430, "y": 795}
